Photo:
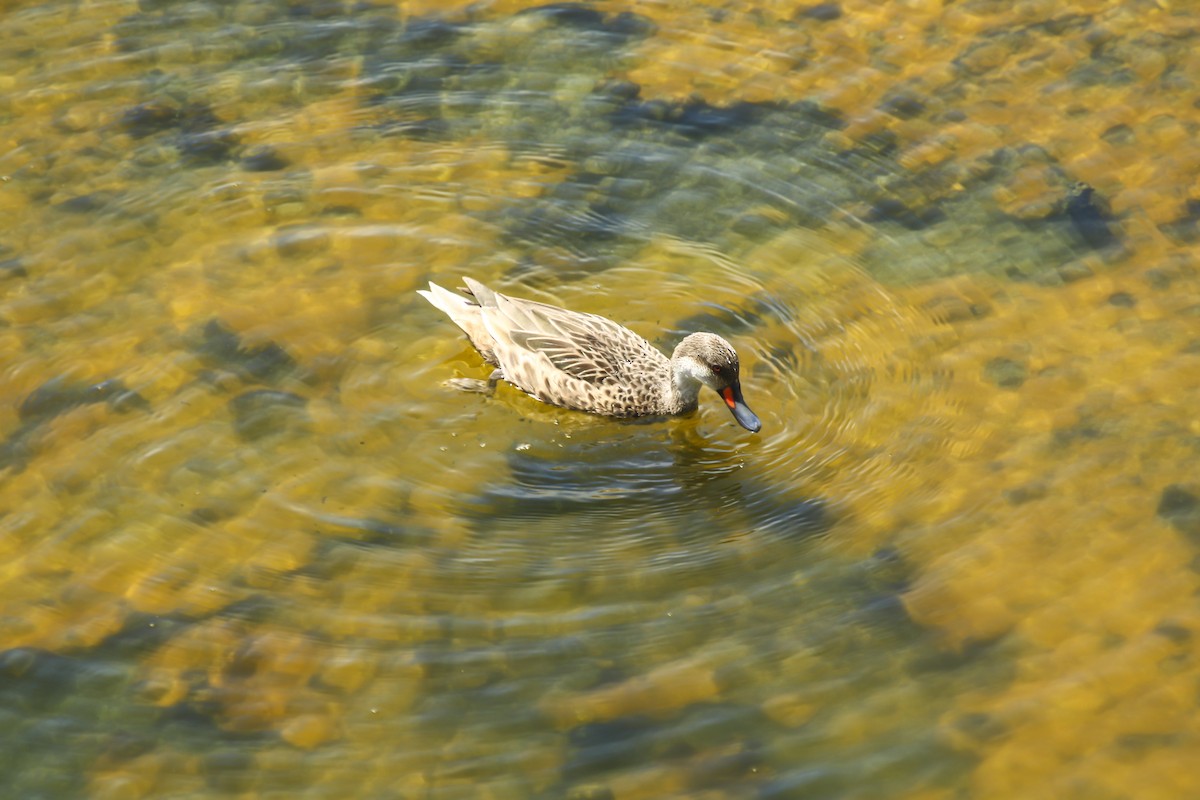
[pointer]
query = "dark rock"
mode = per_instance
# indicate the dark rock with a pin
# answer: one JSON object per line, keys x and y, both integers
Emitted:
{"x": 57, "y": 396}
{"x": 318, "y": 9}
{"x": 13, "y": 268}
{"x": 206, "y": 148}
{"x": 754, "y": 225}
{"x": 1005, "y": 373}
{"x": 244, "y": 661}
{"x": 1025, "y": 493}
{"x": 1118, "y": 135}
{"x": 125, "y": 401}
{"x": 224, "y": 347}
{"x": 429, "y": 34}
{"x": 583, "y": 17}
{"x": 1174, "y": 632}
{"x": 695, "y": 119}
{"x": 263, "y": 159}
{"x": 263, "y": 412}
{"x": 16, "y": 450}
{"x": 814, "y": 113}
{"x": 796, "y": 519}
{"x": 891, "y": 209}
{"x": 430, "y": 129}
{"x": 208, "y": 515}
{"x": 621, "y": 89}
{"x": 1089, "y": 215}
{"x": 139, "y": 635}
{"x": 1122, "y": 300}
{"x": 150, "y": 118}
{"x": 603, "y": 746}
{"x": 124, "y": 746}
{"x": 822, "y": 12}
{"x": 1187, "y": 228}
{"x": 229, "y": 770}
{"x": 903, "y": 105}
{"x": 888, "y": 569}
{"x": 881, "y": 143}
{"x": 255, "y": 608}
{"x": 948, "y": 308}
{"x": 191, "y": 715}
{"x": 35, "y": 678}
{"x": 1180, "y": 507}
{"x": 979, "y": 726}
{"x": 301, "y": 241}
{"x": 631, "y": 25}
{"x": 84, "y": 203}
{"x": 197, "y": 118}
{"x": 1067, "y": 23}
{"x": 1143, "y": 741}
{"x": 1074, "y": 271}
{"x": 574, "y": 15}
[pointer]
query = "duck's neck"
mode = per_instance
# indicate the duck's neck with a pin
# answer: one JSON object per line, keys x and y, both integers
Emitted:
{"x": 684, "y": 387}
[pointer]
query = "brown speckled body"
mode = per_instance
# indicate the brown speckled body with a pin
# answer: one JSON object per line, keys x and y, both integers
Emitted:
{"x": 586, "y": 362}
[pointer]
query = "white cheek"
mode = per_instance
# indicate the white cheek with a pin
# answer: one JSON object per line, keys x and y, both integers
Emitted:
{"x": 697, "y": 371}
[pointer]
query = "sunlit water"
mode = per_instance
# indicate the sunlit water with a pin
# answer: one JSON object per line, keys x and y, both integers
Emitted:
{"x": 255, "y": 544}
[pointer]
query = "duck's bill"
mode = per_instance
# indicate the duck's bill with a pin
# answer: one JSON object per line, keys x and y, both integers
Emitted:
{"x": 732, "y": 395}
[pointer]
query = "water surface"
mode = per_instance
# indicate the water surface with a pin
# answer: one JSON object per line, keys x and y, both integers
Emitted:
{"x": 255, "y": 545}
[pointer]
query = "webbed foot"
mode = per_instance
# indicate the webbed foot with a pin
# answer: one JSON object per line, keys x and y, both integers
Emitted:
{"x": 475, "y": 385}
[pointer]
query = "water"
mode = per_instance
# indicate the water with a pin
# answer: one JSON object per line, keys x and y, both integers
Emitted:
{"x": 254, "y": 545}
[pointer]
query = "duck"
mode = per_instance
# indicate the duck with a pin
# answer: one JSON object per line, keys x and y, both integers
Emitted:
{"x": 589, "y": 363}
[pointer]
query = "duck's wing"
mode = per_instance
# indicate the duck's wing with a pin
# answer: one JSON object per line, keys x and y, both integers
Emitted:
{"x": 585, "y": 346}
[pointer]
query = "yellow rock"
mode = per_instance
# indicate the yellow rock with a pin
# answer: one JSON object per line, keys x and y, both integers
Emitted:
{"x": 120, "y": 786}
{"x": 309, "y": 731}
{"x": 347, "y": 672}
{"x": 660, "y": 692}
{"x": 791, "y": 709}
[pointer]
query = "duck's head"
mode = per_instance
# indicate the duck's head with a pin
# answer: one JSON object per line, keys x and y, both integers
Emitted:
{"x": 712, "y": 361}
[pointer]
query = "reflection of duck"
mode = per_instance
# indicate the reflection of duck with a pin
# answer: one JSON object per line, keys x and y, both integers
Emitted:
{"x": 590, "y": 363}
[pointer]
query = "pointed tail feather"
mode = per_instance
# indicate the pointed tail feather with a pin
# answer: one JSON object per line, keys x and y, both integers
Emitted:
{"x": 482, "y": 294}
{"x": 450, "y": 303}
{"x": 465, "y": 314}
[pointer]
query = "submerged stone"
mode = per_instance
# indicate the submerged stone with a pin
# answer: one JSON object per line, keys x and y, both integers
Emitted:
{"x": 429, "y": 33}
{"x": 822, "y": 12}
{"x": 695, "y": 119}
{"x": 125, "y": 746}
{"x": 1089, "y": 215}
{"x": 583, "y": 17}
{"x": 903, "y": 105}
{"x": 224, "y": 348}
{"x": 57, "y": 396}
{"x": 1180, "y": 506}
{"x": 149, "y": 118}
{"x": 13, "y": 268}
{"x": 37, "y": 678}
{"x": 263, "y": 159}
{"x": 1005, "y": 373}
{"x": 263, "y": 412}
{"x": 206, "y": 148}
{"x": 229, "y": 770}
{"x": 84, "y": 203}
{"x": 603, "y": 746}
{"x": 890, "y": 209}
{"x": 1122, "y": 300}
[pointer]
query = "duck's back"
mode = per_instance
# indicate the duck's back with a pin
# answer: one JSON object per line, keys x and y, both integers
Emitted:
{"x": 572, "y": 359}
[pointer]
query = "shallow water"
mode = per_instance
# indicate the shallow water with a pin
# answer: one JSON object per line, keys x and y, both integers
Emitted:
{"x": 254, "y": 545}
